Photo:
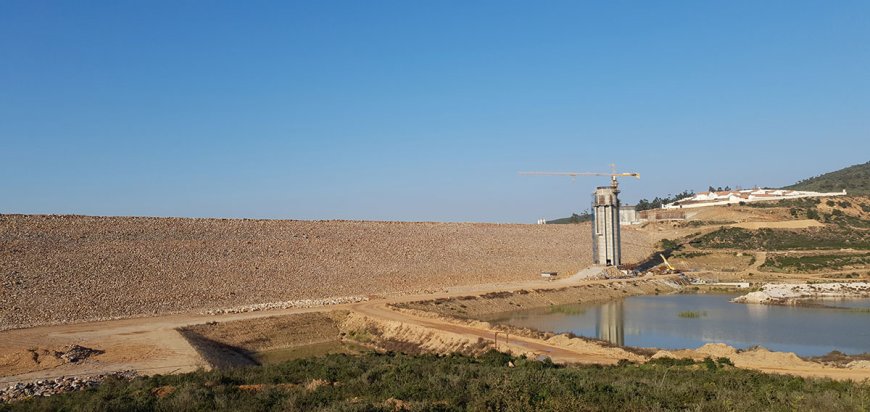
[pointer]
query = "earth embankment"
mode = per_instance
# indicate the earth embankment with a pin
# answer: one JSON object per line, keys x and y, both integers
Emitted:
{"x": 60, "y": 269}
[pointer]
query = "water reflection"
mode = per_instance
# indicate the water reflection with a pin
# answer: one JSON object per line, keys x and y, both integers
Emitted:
{"x": 611, "y": 323}
{"x": 656, "y": 321}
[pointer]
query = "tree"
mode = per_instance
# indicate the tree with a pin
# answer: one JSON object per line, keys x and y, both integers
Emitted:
{"x": 657, "y": 202}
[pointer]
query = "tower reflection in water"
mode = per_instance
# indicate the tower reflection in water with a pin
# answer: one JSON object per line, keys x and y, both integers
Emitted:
{"x": 611, "y": 323}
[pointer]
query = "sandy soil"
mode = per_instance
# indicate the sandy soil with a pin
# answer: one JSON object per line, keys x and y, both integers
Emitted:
{"x": 713, "y": 261}
{"x": 148, "y": 345}
{"x": 764, "y": 360}
{"x": 274, "y": 332}
{"x": 738, "y": 214}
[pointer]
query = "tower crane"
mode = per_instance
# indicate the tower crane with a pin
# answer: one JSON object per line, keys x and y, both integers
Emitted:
{"x": 614, "y": 183}
{"x": 606, "y": 248}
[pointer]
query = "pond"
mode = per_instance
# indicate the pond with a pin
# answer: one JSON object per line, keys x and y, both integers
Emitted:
{"x": 690, "y": 321}
{"x": 274, "y": 356}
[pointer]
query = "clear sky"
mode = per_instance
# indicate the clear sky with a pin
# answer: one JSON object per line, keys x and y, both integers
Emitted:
{"x": 418, "y": 110}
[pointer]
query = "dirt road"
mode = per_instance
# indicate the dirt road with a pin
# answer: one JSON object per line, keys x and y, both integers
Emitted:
{"x": 152, "y": 345}
{"x": 147, "y": 345}
{"x": 517, "y": 344}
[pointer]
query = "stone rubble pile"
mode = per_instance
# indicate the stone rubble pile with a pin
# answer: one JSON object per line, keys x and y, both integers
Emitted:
{"x": 302, "y": 303}
{"x": 49, "y": 387}
{"x": 77, "y": 353}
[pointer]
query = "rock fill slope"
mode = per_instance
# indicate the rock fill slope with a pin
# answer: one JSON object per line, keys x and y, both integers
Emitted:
{"x": 57, "y": 269}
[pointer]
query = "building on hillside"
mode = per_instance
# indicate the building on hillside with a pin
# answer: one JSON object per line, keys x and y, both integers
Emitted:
{"x": 729, "y": 197}
{"x": 659, "y": 215}
{"x": 628, "y": 215}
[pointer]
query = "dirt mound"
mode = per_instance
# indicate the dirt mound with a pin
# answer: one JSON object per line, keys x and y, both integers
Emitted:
{"x": 44, "y": 358}
{"x": 717, "y": 350}
{"x": 274, "y": 332}
{"x": 409, "y": 338}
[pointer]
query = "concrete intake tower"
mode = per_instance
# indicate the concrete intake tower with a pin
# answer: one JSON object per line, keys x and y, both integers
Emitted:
{"x": 605, "y": 226}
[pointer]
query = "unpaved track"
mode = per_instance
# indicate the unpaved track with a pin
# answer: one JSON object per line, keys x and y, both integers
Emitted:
{"x": 760, "y": 258}
{"x": 148, "y": 345}
{"x": 556, "y": 353}
{"x": 152, "y": 345}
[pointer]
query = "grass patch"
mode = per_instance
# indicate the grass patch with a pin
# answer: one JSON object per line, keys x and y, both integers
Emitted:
{"x": 689, "y": 255}
{"x": 816, "y": 263}
{"x": 566, "y": 309}
{"x": 801, "y": 203}
{"x": 692, "y": 314}
{"x": 377, "y": 382}
{"x": 783, "y": 239}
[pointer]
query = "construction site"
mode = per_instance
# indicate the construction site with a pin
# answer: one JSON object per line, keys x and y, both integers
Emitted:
{"x": 96, "y": 296}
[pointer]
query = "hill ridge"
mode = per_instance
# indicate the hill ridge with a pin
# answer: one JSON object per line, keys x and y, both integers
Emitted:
{"x": 854, "y": 179}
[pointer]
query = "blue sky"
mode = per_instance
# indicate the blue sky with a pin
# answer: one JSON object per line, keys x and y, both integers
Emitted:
{"x": 413, "y": 110}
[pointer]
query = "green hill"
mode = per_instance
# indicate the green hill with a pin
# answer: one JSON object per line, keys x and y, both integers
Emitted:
{"x": 575, "y": 218}
{"x": 855, "y": 179}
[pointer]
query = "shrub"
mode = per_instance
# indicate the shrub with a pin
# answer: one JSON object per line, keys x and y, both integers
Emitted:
{"x": 692, "y": 314}
{"x": 430, "y": 382}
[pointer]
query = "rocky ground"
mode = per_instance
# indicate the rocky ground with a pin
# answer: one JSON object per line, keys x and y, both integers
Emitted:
{"x": 791, "y": 293}
{"x": 59, "y": 269}
{"x": 49, "y": 387}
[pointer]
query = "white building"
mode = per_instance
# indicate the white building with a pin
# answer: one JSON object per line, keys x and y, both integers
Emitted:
{"x": 746, "y": 196}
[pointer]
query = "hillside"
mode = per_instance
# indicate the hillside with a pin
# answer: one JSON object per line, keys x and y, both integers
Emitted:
{"x": 855, "y": 179}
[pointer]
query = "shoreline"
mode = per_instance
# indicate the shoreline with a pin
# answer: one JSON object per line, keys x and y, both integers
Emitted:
{"x": 846, "y": 366}
{"x": 794, "y": 293}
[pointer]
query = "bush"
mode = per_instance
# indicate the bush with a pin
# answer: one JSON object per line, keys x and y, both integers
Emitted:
{"x": 668, "y": 244}
{"x": 430, "y": 382}
{"x": 779, "y": 239}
